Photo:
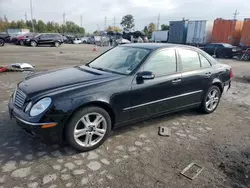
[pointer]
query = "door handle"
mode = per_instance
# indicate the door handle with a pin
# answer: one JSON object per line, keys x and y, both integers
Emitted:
{"x": 177, "y": 80}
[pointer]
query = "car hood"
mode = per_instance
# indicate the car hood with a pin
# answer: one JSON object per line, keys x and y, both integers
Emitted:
{"x": 49, "y": 81}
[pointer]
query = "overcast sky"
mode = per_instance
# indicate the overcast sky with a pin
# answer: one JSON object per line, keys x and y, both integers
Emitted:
{"x": 144, "y": 11}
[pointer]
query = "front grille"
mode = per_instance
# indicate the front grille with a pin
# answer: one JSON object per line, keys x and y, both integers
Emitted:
{"x": 19, "y": 99}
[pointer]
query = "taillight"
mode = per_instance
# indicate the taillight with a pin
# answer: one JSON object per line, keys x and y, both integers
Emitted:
{"x": 231, "y": 73}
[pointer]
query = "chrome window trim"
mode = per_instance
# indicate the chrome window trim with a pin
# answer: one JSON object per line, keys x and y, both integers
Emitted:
{"x": 160, "y": 100}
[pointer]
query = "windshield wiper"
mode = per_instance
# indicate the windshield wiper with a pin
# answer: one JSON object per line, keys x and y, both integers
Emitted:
{"x": 99, "y": 68}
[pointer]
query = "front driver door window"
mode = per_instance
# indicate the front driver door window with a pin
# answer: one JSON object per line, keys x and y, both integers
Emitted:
{"x": 162, "y": 63}
{"x": 161, "y": 93}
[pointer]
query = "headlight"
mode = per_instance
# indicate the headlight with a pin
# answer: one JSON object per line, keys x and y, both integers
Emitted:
{"x": 40, "y": 106}
{"x": 234, "y": 50}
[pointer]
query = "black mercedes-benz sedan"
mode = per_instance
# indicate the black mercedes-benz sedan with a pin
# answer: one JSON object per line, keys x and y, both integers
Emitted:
{"x": 125, "y": 84}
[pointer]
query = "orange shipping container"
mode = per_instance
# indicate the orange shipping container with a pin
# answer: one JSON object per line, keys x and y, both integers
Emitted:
{"x": 245, "y": 34}
{"x": 227, "y": 31}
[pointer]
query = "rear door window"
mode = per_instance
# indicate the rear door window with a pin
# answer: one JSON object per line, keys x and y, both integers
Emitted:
{"x": 190, "y": 59}
{"x": 43, "y": 36}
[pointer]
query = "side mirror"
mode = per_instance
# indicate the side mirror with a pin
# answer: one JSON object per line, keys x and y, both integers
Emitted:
{"x": 145, "y": 75}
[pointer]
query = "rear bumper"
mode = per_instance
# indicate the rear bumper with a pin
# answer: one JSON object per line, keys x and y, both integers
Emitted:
{"x": 227, "y": 86}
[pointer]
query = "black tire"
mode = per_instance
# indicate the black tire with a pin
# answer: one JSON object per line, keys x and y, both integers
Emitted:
{"x": 203, "y": 107}
{"x": 70, "y": 127}
{"x": 2, "y": 42}
{"x": 57, "y": 44}
{"x": 221, "y": 54}
{"x": 33, "y": 43}
{"x": 21, "y": 42}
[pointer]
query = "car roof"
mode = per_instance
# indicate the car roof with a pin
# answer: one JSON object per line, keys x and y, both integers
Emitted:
{"x": 155, "y": 46}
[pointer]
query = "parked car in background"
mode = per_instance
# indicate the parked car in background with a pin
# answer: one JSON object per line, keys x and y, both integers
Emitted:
{"x": 3, "y": 38}
{"x": 128, "y": 83}
{"x": 69, "y": 39}
{"x": 54, "y": 39}
{"x": 221, "y": 50}
{"x": 77, "y": 41}
{"x": 20, "y": 38}
{"x": 91, "y": 40}
{"x": 84, "y": 40}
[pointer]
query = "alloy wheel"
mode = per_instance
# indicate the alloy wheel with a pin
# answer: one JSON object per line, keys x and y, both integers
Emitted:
{"x": 90, "y": 129}
{"x": 33, "y": 44}
{"x": 57, "y": 44}
{"x": 1, "y": 42}
{"x": 212, "y": 100}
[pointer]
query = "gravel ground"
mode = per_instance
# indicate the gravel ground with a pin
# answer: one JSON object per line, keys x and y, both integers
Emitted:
{"x": 133, "y": 156}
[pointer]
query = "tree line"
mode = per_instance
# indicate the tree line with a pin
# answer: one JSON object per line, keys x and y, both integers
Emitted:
{"x": 127, "y": 24}
{"x": 41, "y": 27}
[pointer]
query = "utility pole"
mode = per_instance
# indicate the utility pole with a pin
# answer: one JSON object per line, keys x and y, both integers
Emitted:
{"x": 235, "y": 14}
{"x": 64, "y": 18}
{"x": 158, "y": 22}
{"x": 31, "y": 13}
{"x": 81, "y": 20}
{"x": 114, "y": 21}
{"x": 105, "y": 23}
{"x": 25, "y": 15}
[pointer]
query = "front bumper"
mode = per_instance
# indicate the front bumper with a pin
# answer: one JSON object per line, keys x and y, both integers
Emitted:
{"x": 34, "y": 127}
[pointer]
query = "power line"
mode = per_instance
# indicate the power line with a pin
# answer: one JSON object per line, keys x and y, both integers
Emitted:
{"x": 235, "y": 14}
{"x": 31, "y": 13}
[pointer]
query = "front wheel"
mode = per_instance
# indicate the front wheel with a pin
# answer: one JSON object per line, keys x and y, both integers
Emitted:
{"x": 21, "y": 42}
{"x": 88, "y": 128}
{"x": 211, "y": 100}
{"x": 56, "y": 44}
{"x": 1, "y": 42}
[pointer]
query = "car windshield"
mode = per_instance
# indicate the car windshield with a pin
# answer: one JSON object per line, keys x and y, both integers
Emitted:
{"x": 121, "y": 59}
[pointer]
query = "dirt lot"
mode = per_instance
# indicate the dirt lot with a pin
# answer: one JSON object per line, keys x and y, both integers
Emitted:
{"x": 133, "y": 156}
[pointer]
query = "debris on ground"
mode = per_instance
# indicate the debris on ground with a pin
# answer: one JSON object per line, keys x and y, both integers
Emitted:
{"x": 95, "y": 49}
{"x": 22, "y": 66}
{"x": 164, "y": 131}
{"x": 222, "y": 165}
{"x": 192, "y": 171}
{"x": 17, "y": 67}
{"x": 3, "y": 69}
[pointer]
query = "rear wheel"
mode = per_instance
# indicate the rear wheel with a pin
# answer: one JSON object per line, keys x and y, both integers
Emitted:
{"x": 2, "y": 42}
{"x": 33, "y": 43}
{"x": 21, "y": 42}
{"x": 221, "y": 54}
{"x": 211, "y": 100}
{"x": 88, "y": 128}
